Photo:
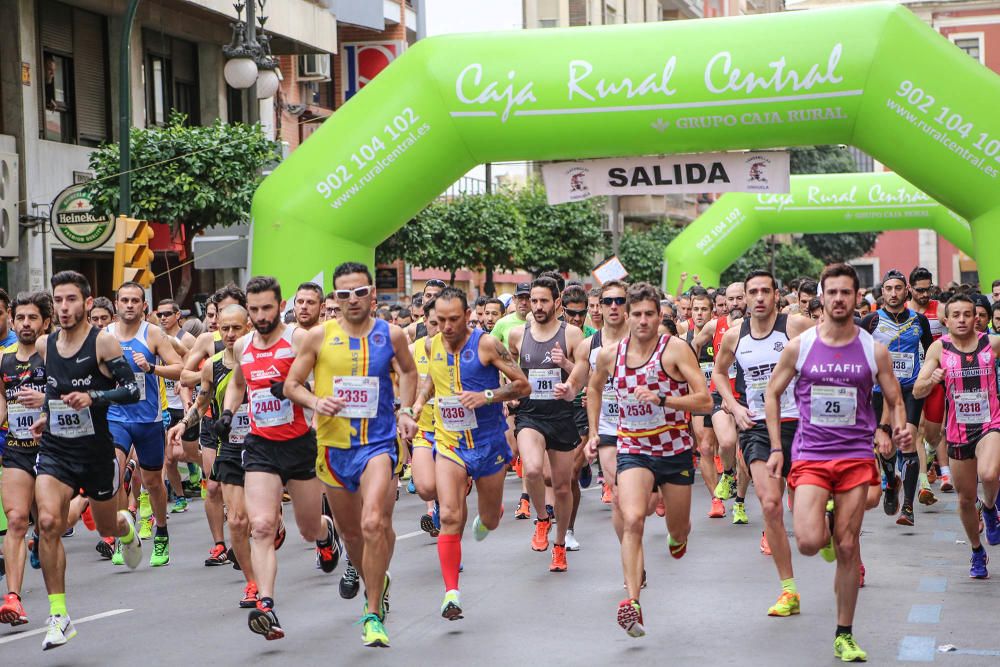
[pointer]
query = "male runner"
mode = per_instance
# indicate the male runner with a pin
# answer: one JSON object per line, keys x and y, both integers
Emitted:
{"x": 921, "y": 302}
{"x": 356, "y": 429}
{"x": 228, "y": 470}
{"x": 307, "y": 304}
{"x": 516, "y": 318}
{"x": 492, "y": 312}
{"x": 331, "y": 308}
{"x": 86, "y": 373}
{"x": 422, "y": 458}
{"x": 545, "y": 348}
{"x": 432, "y": 288}
{"x": 907, "y": 334}
{"x": 22, "y": 385}
{"x": 755, "y": 348}
{"x": 102, "y": 313}
{"x": 834, "y": 367}
{"x": 464, "y": 377}
{"x": 141, "y": 424}
{"x": 280, "y": 449}
{"x": 964, "y": 360}
{"x": 656, "y": 380}
{"x": 594, "y": 307}
{"x": 574, "y": 307}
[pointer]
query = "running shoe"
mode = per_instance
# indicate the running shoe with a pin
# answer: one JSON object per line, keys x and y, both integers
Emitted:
{"x": 407, "y": 474}
{"x": 926, "y": 496}
{"x": 572, "y": 544}
{"x": 740, "y": 517}
{"x": 350, "y": 582}
{"x": 263, "y": 621}
{"x": 765, "y": 548}
{"x": 12, "y": 612}
{"x": 218, "y": 555}
{"x": 427, "y": 525}
{"x": 979, "y": 511}
{"x": 70, "y": 532}
{"x": 890, "y": 501}
{"x": 551, "y": 511}
{"x": 146, "y": 528}
{"x": 787, "y": 605}
{"x": 827, "y": 552}
{"x": 386, "y": 584}
{"x": 845, "y": 648}
{"x": 411, "y": 488}
{"x": 726, "y": 488}
{"x": 718, "y": 464}
{"x": 558, "y": 559}
{"x": 203, "y": 489}
{"x": 606, "y": 495}
{"x": 373, "y": 632}
{"x": 979, "y": 560}
{"x": 861, "y": 575}
{"x": 630, "y": 618}
{"x": 436, "y": 516}
{"x": 161, "y": 551}
{"x": 180, "y": 505}
{"x": 661, "y": 509}
{"x": 905, "y": 516}
{"x": 106, "y": 547}
{"x": 523, "y": 510}
{"x": 586, "y": 476}
{"x": 145, "y": 508}
{"x": 88, "y": 518}
{"x": 279, "y": 537}
{"x": 249, "y": 600}
{"x": 285, "y": 496}
{"x": 676, "y": 550}
{"x": 132, "y": 551}
{"x": 329, "y": 556}
{"x": 992, "y": 525}
{"x": 518, "y": 467}
{"x": 540, "y": 540}
{"x": 33, "y": 558}
{"x": 127, "y": 477}
{"x": 946, "y": 485}
{"x": 59, "y": 631}
{"x": 480, "y": 531}
{"x": 451, "y": 608}
{"x": 117, "y": 558}
{"x": 718, "y": 510}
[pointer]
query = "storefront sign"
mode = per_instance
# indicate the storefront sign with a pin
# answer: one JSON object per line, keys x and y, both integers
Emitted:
{"x": 75, "y": 223}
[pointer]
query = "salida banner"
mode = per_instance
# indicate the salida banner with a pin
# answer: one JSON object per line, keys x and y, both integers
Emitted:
{"x": 762, "y": 171}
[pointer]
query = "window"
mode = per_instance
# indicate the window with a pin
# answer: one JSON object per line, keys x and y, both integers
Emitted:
{"x": 971, "y": 44}
{"x": 74, "y": 98}
{"x": 548, "y": 23}
{"x": 610, "y": 15}
{"x": 157, "y": 108}
{"x": 171, "y": 78}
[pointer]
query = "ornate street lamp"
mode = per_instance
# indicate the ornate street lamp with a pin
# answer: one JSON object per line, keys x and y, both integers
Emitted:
{"x": 250, "y": 62}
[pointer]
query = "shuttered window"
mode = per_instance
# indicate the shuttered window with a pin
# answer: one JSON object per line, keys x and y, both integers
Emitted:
{"x": 171, "y": 78}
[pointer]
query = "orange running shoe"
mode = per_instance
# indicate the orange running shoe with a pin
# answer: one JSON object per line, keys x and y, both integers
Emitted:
{"x": 718, "y": 510}
{"x": 518, "y": 468}
{"x": 765, "y": 548}
{"x": 12, "y": 613}
{"x": 249, "y": 600}
{"x": 540, "y": 540}
{"x": 946, "y": 485}
{"x": 523, "y": 510}
{"x": 558, "y": 559}
{"x": 606, "y": 495}
{"x": 88, "y": 518}
{"x": 861, "y": 575}
{"x": 718, "y": 464}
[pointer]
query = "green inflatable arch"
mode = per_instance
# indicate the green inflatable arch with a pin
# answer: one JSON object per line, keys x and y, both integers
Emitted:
{"x": 874, "y": 76}
{"x": 816, "y": 204}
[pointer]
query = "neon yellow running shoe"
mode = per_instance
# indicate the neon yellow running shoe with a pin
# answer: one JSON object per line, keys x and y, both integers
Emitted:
{"x": 828, "y": 553}
{"x": 787, "y": 605}
{"x": 373, "y": 632}
{"x": 117, "y": 558}
{"x": 146, "y": 528}
{"x": 161, "y": 552}
{"x": 451, "y": 608}
{"x": 845, "y": 648}
{"x": 145, "y": 508}
{"x": 740, "y": 514}
{"x": 726, "y": 488}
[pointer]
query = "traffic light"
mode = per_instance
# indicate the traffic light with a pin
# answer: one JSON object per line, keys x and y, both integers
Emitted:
{"x": 133, "y": 257}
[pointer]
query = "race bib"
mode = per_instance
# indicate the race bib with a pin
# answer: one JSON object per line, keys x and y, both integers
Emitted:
{"x": 543, "y": 383}
{"x": 268, "y": 410}
{"x": 360, "y": 394}
{"x": 833, "y": 406}
{"x": 456, "y": 417}
{"x": 20, "y": 420}
{"x": 240, "y": 426}
{"x": 140, "y": 380}
{"x": 640, "y": 416}
{"x": 732, "y": 372}
{"x": 66, "y": 422}
{"x": 609, "y": 404}
{"x": 972, "y": 407}
{"x": 902, "y": 364}
{"x": 706, "y": 368}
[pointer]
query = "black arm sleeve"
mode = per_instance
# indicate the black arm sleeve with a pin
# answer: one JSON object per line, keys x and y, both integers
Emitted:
{"x": 925, "y": 331}
{"x": 127, "y": 390}
{"x": 869, "y": 322}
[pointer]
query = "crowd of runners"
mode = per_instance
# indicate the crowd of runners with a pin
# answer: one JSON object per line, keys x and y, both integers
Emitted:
{"x": 828, "y": 399}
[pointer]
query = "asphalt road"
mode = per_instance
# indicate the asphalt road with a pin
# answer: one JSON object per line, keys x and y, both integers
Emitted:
{"x": 710, "y": 608}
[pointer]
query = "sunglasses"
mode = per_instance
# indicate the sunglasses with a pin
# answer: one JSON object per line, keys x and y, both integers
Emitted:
{"x": 575, "y": 313}
{"x": 168, "y": 313}
{"x": 359, "y": 292}
{"x": 921, "y": 290}
{"x": 434, "y": 282}
{"x": 617, "y": 300}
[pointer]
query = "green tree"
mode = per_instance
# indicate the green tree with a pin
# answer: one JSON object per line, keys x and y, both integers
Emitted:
{"x": 641, "y": 251}
{"x": 562, "y": 238}
{"x": 830, "y": 248}
{"x": 791, "y": 261}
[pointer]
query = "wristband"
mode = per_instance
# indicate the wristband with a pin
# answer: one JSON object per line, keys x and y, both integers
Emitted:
{"x": 408, "y": 412}
{"x": 885, "y": 428}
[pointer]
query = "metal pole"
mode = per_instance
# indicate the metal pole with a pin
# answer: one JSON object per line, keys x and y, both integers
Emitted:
{"x": 125, "y": 111}
{"x": 253, "y": 110}
{"x": 489, "y": 178}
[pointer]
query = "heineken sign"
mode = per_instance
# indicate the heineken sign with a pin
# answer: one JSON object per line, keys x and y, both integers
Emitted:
{"x": 75, "y": 223}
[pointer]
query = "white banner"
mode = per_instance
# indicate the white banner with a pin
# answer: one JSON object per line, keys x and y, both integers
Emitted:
{"x": 762, "y": 171}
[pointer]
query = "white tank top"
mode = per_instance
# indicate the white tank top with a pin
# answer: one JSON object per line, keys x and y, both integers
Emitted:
{"x": 755, "y": 361}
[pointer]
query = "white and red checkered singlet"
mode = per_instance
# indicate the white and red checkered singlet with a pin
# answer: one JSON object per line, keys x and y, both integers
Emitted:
{"x": 645, "y": 428}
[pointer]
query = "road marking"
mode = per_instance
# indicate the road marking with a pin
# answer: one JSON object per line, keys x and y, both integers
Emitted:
{"x": 41, "y": 631}
{"x": 945, "y": 536}
{"x": 933, "y": 585}
{"x": 924, "y": 613}
{"x": 916, "y": 649}
{"x": 972, "y": 651}
{"x": 409, "y": 535}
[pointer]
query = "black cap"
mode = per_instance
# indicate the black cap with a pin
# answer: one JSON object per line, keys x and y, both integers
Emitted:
{"x": 893, "y": 274}
{"x": 523, "y": 289}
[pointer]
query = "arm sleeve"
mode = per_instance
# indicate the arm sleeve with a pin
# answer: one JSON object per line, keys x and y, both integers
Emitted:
{"x": 127, "y": 390}
{"x": 869, "y": 322}
{"x": 925, "y": 331}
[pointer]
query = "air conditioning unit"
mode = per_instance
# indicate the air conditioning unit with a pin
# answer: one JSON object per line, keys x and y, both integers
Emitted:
{"x": 315, "y": 67}
{"x": 9, "y": 222}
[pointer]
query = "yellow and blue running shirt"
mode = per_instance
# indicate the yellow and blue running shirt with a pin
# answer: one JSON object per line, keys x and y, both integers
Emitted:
{"x": 356, "y": 369}
{"x": 425, "y": 424}
{"x": 454, "y": 426}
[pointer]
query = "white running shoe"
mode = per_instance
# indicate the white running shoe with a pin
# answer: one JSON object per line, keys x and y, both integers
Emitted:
{"x": 131, "y": 552}
{"x": 571, "y": 542}
{"x": 60, "y": 630}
